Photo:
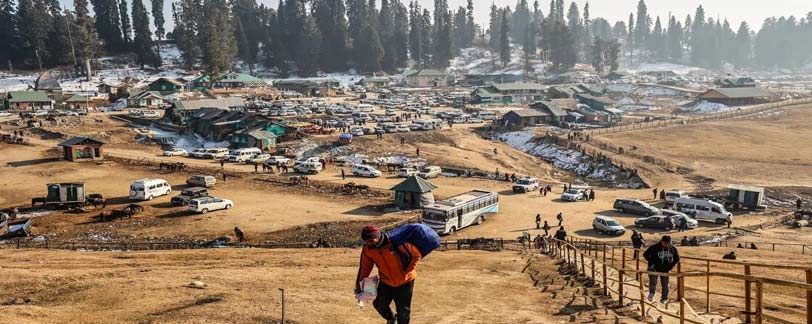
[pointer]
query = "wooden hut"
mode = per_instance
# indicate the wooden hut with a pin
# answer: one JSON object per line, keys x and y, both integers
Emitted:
{"x": 414, "y": 192}
{"x": 82, "y": 148}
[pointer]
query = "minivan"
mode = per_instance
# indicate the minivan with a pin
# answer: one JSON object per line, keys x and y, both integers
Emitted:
{"x": 146, "y": 189}
{"x": 603, "y": 224}
{"x": 672, "y": 195}
{"x": 430, "y": 172}
{"x": 634, "y": 206}
{"x": 703, "y": 210}
{"x": 243, "y": 154}
{"x": 205, "y": 181}
{"x": 189, "y": 194}
{"x": 365, "y": 171}
{"x": 486, "y": 115}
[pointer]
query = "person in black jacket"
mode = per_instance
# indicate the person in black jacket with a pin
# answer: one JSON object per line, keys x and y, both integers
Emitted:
{"x": 560, "y": 235}
{"x": 661, "y": 257}
{"x": 637, "y": 243}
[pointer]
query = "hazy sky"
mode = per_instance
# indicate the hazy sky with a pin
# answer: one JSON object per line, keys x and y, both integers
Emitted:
{"x": 752, "y": 11}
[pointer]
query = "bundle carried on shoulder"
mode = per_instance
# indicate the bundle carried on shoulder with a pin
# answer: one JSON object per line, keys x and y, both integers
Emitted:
{"x": 421, "y": 236}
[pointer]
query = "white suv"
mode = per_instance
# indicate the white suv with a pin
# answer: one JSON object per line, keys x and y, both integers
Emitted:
{"x": 603, "y": 224}
{"x": 206, "y": 204}
{"x": 526, "y": 184}
{"x": 365, "y": 171}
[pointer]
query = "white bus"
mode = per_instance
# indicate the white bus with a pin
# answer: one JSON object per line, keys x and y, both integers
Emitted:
{"x": 146, "y": 189}
{"x": 455, "y": 213}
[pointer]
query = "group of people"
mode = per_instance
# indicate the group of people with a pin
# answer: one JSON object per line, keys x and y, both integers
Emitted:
{"x": 661, "y": 194}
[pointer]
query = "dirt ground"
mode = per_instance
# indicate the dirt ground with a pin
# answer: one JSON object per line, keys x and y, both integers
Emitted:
{"x": 242, "y": 287}
{"x": 762, "y": 149}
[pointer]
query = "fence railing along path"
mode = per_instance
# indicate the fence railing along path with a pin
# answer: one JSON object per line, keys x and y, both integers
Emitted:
{"x": 621, "y": 276}
{"x": 733, "y": 113}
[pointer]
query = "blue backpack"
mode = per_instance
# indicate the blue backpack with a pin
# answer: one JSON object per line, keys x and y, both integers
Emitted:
{"x": 421, "y": 236}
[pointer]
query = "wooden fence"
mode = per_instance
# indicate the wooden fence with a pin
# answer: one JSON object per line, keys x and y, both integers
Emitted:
{"x": 610, "y": 267}
{"x": 733, "y": 113}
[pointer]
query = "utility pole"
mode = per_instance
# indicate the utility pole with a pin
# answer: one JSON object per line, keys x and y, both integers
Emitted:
{"x": 70, "y": 37}
{"x": 282, "y": 290}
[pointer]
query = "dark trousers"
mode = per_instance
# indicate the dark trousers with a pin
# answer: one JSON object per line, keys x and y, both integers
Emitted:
{"x": 652, "y": 285}
{"x": 636, "y": 253}
{"x": 402, "y": 296}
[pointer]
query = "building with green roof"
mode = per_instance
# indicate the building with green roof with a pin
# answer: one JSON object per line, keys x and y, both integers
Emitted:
{"x": 27, "y": 100}
{"x": 231, "y": 80}
{"x": 414, "y": 192}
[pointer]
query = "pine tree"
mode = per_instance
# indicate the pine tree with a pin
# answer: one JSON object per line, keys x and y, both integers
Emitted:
{"x": 86, "y": 42}
{"x": 613, "y": 55}
{"x": 656, "y": 41}
{"x": 442, "y": 35}
{"x": 186, "y": 14}
{"x": 8, "y": 31}
{"x": 58, "y": 40}
{"x": 386, "y": 31}
{"x": 460, "y": 30}
{"x": 470, "y": 32}
{"x": 641, "y": 33}
{"x": 504, "y": 40}
{"x": 357, "y": 15}
{"x": 586, "y": 36}
{"x": 311, "y": 42}
{"x": 415, "y": 33}
{"x": 559, "y": 11}
{"x": 34, "y": 24}
{"x": 674, "y": 46}
{"x": 401, "y": 37}
{"x": 698, "y": 50}
{"x": 126, "y": 28}
{"x": 332, "y": 26}
{"x": 598, "y": 52}
{"x": 372, "y": 55}
{"x": 142, "y": 42}
{"x": 743, "y": 45}
{"x": 493, "y": 28}
{"x": 427, "y": 45}
{"x": 576, "y": 28}
{"x": 530, "y": 39}
{"x": 220, "y": 47}
{"x": 158, "y": 18}
{"x": 520, "y": 20}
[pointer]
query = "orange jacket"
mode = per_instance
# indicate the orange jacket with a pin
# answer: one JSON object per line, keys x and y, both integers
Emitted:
{"x": 390, "y": 268}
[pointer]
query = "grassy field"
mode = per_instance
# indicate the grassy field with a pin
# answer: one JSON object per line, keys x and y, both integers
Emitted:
{"x": 764, "y": 149}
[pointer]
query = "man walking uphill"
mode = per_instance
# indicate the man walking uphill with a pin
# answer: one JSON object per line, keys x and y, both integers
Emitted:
{"x": 661, "y": 257}
{"x": 397, "y": 277}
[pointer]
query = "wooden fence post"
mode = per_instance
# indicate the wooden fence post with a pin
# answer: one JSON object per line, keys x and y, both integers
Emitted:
{"x": 809, "y": 297}
{"x": 747, "y": 318}
{"x": 642, "y": 300}
{"x": 759, "y": 304}
{"x": 681, "y": 292}
{"x": 707, "y": 286}
{"x": 605, "y": 281}
{"x": 593, "y": 270}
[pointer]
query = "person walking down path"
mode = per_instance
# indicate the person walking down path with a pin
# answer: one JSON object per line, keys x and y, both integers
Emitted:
{"x": 396, "y": 277}
{"x": 637, "y": 243}
{"x": 538, "y": 221}
{"x": 343, "y": 176}
{"x": 546, "y": 228}
{"x": 655, "y": 193}
{"x": 661, "y": 257}
{"x": 560, "y": 218}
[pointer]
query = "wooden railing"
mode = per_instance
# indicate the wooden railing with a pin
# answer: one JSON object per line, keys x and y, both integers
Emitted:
{"x": 585, "y": 256}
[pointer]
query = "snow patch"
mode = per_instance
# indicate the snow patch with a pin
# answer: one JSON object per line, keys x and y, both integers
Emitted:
{"x": 705, "y": 107}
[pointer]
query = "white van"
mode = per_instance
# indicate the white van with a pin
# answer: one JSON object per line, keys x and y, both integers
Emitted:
{"x": 363, "y": 170}
{"x": 243, "y": 154}
{"x": 308, "y": 167}
{"x": 486, "y": 115}
{"x": 215, "y": 153}
{"x": 425, "y": 124}
{"x": 703, "y": 210}
{"x": 365, "y": 108}
{"x": 146, "y": 189}
{"x": 672, "y": 195}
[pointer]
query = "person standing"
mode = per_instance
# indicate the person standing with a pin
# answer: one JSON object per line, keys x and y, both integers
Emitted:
{"x": 591, "y": 194}
{"x": 418, "y": 151}
{"x": 729, "y": 221}
{"x": 546, "y": 228}
{"x": 538, "y": 221}
{"x": 225, "y": 177}
{"x": 655, "y": 193}
{"x": 560, "y": 218}
{"x": 683, "y": 224}
{"x": 397, "y": 279}
{"x": 661, "y": 257}
{"x": 343, "y": 176}
{"x": 222, "y": 163}
{"x": 662, "y": 195}
{"x": 560, "y": 235}
{"x": 239, "y": 234}
{"x": 637, "y": 243}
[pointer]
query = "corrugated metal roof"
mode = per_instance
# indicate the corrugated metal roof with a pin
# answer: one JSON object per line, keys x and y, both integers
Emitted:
{"x": 77, "y": 140}
{"x": 528, "y": 113}
{"x": 27, "y": 96}
{"x": 741, "y": 92}
{"x": 519, "y": 86}
{"x": 426, "y": 72}
{"x": 261, "y": 135}
{"x": 554, "y": 108}
{"x": 222, "y": 103}
{"x": 78, "y": 98}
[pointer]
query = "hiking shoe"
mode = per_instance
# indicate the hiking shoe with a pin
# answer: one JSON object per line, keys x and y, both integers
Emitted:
{"x": 650, "y": 297}
{"x": 391, "y": 321}
{"x": 664, "y": 301}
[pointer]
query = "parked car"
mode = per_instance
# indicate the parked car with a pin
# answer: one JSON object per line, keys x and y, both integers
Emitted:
{"x": 197, "y": 153}
{"x": 205, "y": 181}
{"x": 607, "y": 225}
{"x": 176, "y": 151}
{"x": 363, "y": 170}
{"x": 429, "y": 172}
{"x": 406, "y": 172}
{"x": 678, "y": 216}
{"x": 215, "y": 153}
{"x": 242, "y": 155}
{"x": 189, "y": 194}
{"x": 259, "y": 158}
{"x": 634, "y": 206}
{"x": 526, "y": 184}
{"x": 146, "y": 189}
{"x": 206, "y": 204}
{"x": 276, "y": 160}
{"x": 357, "y": 131}
{"x": 308, "y": 167}
{"x": 575, "y": 193}
{"x": 656, "y": 221}
{"x": 403, "y": 129}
